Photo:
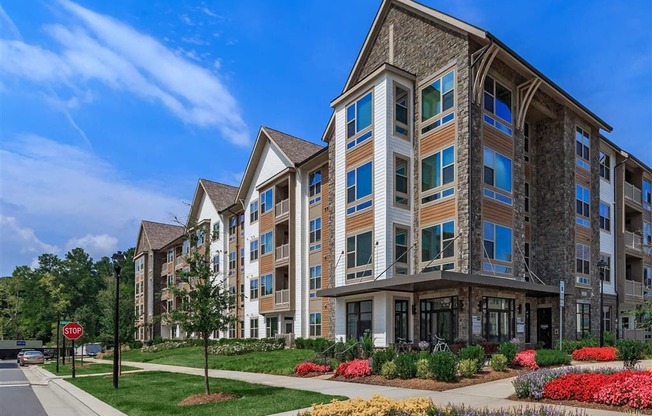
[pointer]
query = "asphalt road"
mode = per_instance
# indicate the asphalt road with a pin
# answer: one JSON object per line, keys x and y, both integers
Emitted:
{"x": 16, "y": 395}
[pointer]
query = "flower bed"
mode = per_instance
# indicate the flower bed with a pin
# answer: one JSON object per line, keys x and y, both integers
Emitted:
{"x": 531, "y": 385}
{"x": 245, "y": 347}
{"x": 595, "y": 354}
{"x": 355, "y": 368}
{"x": 526, "y": 359}
{"x": 307, "y": 367}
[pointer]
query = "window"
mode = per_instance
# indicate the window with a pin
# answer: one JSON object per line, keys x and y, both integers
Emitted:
{"x": 315, "y": 187}
{"x": 358, "y": 119}
{"x": 582, "y": 258}
{"x": 253, "y": 250}
{"x": 315, "y": 234}
{"x": 583, "y": 320}
{"x": 200, "y": 237}
{"x": 605, "y": 166}
{"x": 266, "y": 203}
{"x": 498, "y": 319}
{"x": 401, "y": 100}
{"x": 253, "y": 328}
{"x": 527, "y": 202}
{"x": 232, "y": 261}
{"x": 359, "y": 188}
{"x": 497, "y": 246}
{"x": 215, "y": 234}
{"x": 242, "y": 223}
{"x": 438, "y": 170}
{"x": 232, "y": 330}
{"x": 242, "y": 329}
{"x": 170, "y": 280}
{"x": 647, "y": 195}
{"x": 315, "y": 277}
{"x": 242, "y": 295}
{"x": 607, "y": 270}
{"x": 437, "y": 244}
{"x": 216, "y": 263}
{"x": 242, "y": 256}
{"x": 605, "y": 216}
{"x": 401, "y": 182}
{"x": 253, "y": 289}
{"x": 400, "y": 320}
{"x": 185, "y": 247}
{"x": 526, "y": 254}
{"x": 606, "y": 317}
{"x": 170, "y": 257}
{"x": 266, "y": 285}
{"x": 401, "y": 259}
{"x": 358, "y": 319}
{"x": 583, "y": 144}
{"x": 271, "y": 326}
{"x": 647, "y": 237}
{"x": 315, "y": 324}
{"x": 253, "y": 212}
{"x": 583, "y": 199}
{"x": 359, "y": 255}
{"x": 498, "y": 175}
{"x": 266, "y": 245}
{"x": 233, "y": 225}
{"x": 437, "y": 102}
{"x": 498, "y": 105}
{"x": 526, "y": 142}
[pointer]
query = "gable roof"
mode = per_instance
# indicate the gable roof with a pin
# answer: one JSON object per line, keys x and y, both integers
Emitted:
{"x": 219, "y": 194}
{"x": 155, "y": 235}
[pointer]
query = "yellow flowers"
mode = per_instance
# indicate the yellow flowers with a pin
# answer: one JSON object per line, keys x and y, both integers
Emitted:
{"x": 377, "y": 405}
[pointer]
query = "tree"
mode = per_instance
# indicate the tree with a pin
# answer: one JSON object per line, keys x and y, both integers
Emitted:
{"x": 206, "y": 303}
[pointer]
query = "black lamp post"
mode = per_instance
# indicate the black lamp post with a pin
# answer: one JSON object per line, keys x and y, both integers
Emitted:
{"x": 117, "y": 258}
{"x": 602, "y": 265}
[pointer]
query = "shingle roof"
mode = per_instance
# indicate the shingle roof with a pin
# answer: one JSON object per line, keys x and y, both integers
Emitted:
{"x": 294, "y": 148}
{"x": 221, "y": 195}
{"x": 159, "y": 234}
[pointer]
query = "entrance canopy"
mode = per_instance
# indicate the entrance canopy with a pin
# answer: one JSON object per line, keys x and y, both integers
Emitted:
{"x": 440, "y": 280}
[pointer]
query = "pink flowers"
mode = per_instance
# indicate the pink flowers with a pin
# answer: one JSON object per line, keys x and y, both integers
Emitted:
{"x": 527, "y": 359}
{"x": 355, "y": 368}
{"x": 595, "y": 354}
{"x": 307, "y": 367}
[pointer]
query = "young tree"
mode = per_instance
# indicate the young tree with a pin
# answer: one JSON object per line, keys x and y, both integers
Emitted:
{"x": 206, "y": 303}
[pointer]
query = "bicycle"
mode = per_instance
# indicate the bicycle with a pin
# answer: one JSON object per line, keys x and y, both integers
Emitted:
{"x": 441, "y": 345}
{"x": 403, "y": 345}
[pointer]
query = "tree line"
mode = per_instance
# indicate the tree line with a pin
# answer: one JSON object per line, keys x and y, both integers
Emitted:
{"x": 74, "y": 287}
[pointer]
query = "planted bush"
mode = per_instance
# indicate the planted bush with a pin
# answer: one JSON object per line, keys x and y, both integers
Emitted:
{"x": 389, "y": 370}
{"x": 443, "y": 365}
{"x": 423, "y": 368}
{"x": 406, "y": 365}
{"x": 526, "y": 359}
{"x": 308, "y": 367}
{"x": 508, "y": 349}
{"x": 498, "y": 362}
{"x": 568, "y": 346}
{"x": 355, "y": 368}
{"x": 595, "y": 354}
{"x": 467, "y": 367}
{"x": 237, "y": 348}
{"x": 531, "y": 385}
{"x": 379, "y": 358}
{"x": 630, "y": 351}
{"x": 473, "y": 352}
{"x": 549, "y": 358}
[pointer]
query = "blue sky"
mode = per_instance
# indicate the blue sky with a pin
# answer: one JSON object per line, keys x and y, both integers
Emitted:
{"x": 111, "y": 111}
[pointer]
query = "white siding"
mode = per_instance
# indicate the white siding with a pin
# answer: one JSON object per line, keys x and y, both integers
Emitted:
{"x": 301, "y": 268}
{"x": 339, "y": 202}
{"x": 607, "y": 239}
{"x": 380, "y": 179}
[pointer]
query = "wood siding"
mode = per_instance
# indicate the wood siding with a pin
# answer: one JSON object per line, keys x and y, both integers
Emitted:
{"x": 359, "y": 221}
{"x": 325, "y": 232}
{"x": 266, "y": 221}
{"x": 359, "y": 153}
{"x": 583, "y": 177}
{"x": 497, "y": 141}
{"x": 438, "y": 139}
{"x": 497, "y": 212}
{"x": 582, "y": 234}
{"x": 438, "y": 212}
{"x": 266, "y": 263}
{"x": 266, "y": 304}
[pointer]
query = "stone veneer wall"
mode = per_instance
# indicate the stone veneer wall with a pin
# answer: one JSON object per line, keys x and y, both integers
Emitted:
{"x": 329, "y": 303}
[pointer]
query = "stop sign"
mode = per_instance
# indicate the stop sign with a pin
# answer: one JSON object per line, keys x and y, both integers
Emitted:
{"x": 73, "y": 330}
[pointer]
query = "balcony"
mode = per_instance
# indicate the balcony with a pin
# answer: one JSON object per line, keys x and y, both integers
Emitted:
{"x": 632, "y": 241}
{"x": 633, "y": 288}
{"x": 633, "y": 193}
{"x": 282, "y": 297}
{"x": 179, "y": 261}
{"x": 283, "y": 207}
{"x": 164, "y": 268}
{"x": 282, "y": 252}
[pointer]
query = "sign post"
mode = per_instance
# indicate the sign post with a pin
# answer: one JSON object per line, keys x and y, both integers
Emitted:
{"x": 561, "y": 312}
{"x": 72, "y": 331}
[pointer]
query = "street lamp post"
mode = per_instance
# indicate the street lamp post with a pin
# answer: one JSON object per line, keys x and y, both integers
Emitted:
{"x": 117, "y": 264}
{"x": 602, "y": 265}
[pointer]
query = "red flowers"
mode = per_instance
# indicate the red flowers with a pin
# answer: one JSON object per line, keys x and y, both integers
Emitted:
{"x": 631, "y": 388}
{"x": 527, "y": 359}
{"x": 307, "y": 367}
{"x": 355, "y": 368}
{"x": 595, "y": 354}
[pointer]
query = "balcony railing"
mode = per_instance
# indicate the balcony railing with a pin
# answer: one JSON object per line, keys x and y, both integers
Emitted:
{"x": 179, "y": 260}
{"x": 164, "y": 268}
{"x": 282, "y": 252}
{"x": 633, "y": 193}
{"x": 633, "y": 288}
{"x": 632, "y": 240}
{"x": 283, "y": 207}
{"x": 282, "y": 296}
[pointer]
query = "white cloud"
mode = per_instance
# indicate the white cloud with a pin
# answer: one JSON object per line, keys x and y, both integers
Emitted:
{"x": 108, "y": 51}
{"x": 20, "y": 245}
{"x": 96, "y": 245}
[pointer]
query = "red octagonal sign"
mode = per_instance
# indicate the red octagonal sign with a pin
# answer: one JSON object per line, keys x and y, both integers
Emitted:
{"x": 72, "y": 330}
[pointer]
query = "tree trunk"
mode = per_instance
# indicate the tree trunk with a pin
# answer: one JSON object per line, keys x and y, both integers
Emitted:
{"x": 206, "y": 387}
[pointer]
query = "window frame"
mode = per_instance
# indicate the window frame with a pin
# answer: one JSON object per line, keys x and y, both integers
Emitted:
{"x": 401, "y": 267}
{"x": 604, "y": 222}
{"x": 401, "y": 319}
{"x": 441, "y": 116}
{"x": 582, "y": 259}
{"x": 359, "y": 271}
{"x": 582, "y": 218}
{"x": 444, "y": 189}
{"x": 262, "y": 199}
{"x": 253, "y": 329}
{"x": 489, "y": 116}
{"x": 315, "y": 324}
{"x": 266, "y": 282}
{"x": 253, "y": 289}
{"x": 443, "y": 261}
{"x": 526, "y": 201}
{"x": 264, "y": 250}
{"x": 358, "y": 321}
{"x": 314, "y": 189}
{"x": 315, "y": 279}
{"x": 526, "y": 142}
{"x": 405, "y": 162}
{"x": 233, "y": 261}
{"x": 492, "y": 190}
{"x": 399, "y": 124}
{"x": 365, "y": 133}
{"x": 314, "y": 234}
{"x": 364, "y": 202}
{"x": 493, "y": 264}
{"x": 253, "y": 212}
{"x": 582, "y": 148}
{"x": 605, "y": 166}
{"x": 253, "y": 250}
{"x": 216, "y": 263}
{"x": 582, "y": 310}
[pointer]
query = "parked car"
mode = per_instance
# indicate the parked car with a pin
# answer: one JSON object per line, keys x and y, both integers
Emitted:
{"x": 93, "y": 349}
{"x": 32, "y": 357}
{"x": 50, "y": 353}
{"x": 20, "y": 354}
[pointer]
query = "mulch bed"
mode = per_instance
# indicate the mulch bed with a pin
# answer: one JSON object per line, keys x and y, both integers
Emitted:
{"x": 484, "y": 376}
{"x": 586, "y": 405}
{"x": 204, "y": 399}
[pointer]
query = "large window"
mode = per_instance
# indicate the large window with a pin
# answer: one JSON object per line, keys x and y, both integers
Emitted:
{"x": 271, "y": 326}
{"x": 401, "y": 114}
{"x": 315, "y": 277}
{"x": 438, "y": 102}
{"x": 358, "y": 319}
{"x": 253, "y": 289}
{"x": 605, "y": 166}
{"x": 582, "y": 258}
{"x": 266, "y": 201}
{"x": 400, "y": 320}
{"x": 170, "y": 257}
{"x": 315, "y": 234}
{"x": 215, "y": 234}
{"x": 605, "y": 216}
{"x": 266, "y": 245}
{"x": 583, "y": 320}
{"x": 359, "y": 188}
{"x": 438, "y": 171}
{"x": 498, "y": 319}
{"x": 527, "y": 202}
{"x": 498, "y": 176}
{"x": 253, "y": 328}
{"x": 582, "y": 209}
{"x": 253, "y": 212}
{"x": 216, "y": 263}
{"x": 266, "y": 285}
{"x": 401, "y": 258}
{"x": 647, "y": 194}
{"x": 401, "y": 182}
{"x": 358, "y": 119}
{"x": 359, "y": 255}
{"x": 200, "y": 236}
{"x": 315, "y": 324}
{"x": 233, "y": 260}
{"x": 498, "y": 105}
{"x": 437, "y": 246}
{"x": 233, "y": 225}
{"x": 497, "y": 248}
{"x": 582, "y": 146}
{"x": 253, "y": 250}
{"x": 314, "y": 187}
{"x": 438, "y": 317}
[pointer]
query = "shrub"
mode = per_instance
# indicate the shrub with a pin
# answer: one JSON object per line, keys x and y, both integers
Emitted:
{"x": 379, "y": 358}
{"x": 467, "y": 367}
{"x": 568, "y": 346}
{"x": 630, "y": 351}
{"x": 609, "y": 339}
{"x": 406, "y": 365}
{"x": 355, "y": 368}
{"x": 526, "y": 359}
{"x": 367, "y": 345}
{"x": 508, "y": 349}
{"x": 307, "y": 367}
{"x": 473, "y": 352}
{"x": 389, "y": 370}
{"x": 245, "y": 346}
{"x": 423, "y": 368}
{"x": 531, "y": 385}
{"x": 595, "y": 354}
{"x": 548, "y": 358}
{"x": 498, "y": 362}
{"x": 443, "y": 365}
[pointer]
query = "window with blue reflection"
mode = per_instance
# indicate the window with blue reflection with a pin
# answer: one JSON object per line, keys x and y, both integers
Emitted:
{"x": 437, "y": 241}
{"x": 497, "y": 242}
{"x": 436, "y": 99}
{"x": 497, "y": 170}
{"x": 266, "y": 201}
{"x": 438, "y": 169}
{"x": 358, "y": 115}
{"x": 498, "y": 102}
{"x": 359, "y": 183}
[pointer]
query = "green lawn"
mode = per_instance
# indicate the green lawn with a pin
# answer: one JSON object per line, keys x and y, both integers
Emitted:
{"x": 66, "y": 370}
{"x": 272, "y": 362}
{"x": 157, "y": 393}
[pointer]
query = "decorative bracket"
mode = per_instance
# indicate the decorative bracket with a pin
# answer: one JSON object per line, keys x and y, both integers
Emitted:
{"x": 525, "y": 94}
{"x": 487, "y": 57}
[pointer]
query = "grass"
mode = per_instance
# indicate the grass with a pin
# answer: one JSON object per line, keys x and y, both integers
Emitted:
{"x": 157, "y": 393}
{"x": 272, "y": 362}
{"x": 66, "y": 370}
